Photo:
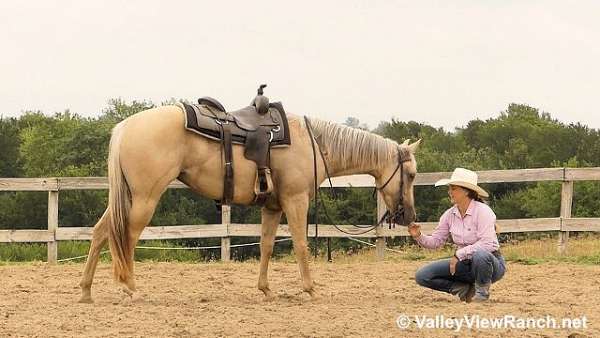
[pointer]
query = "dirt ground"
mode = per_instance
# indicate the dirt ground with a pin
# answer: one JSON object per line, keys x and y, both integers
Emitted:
{"x": 220, "y": 299}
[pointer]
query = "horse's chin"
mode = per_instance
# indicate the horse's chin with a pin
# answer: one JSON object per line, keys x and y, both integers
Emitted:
{"x": 405, "y": 222}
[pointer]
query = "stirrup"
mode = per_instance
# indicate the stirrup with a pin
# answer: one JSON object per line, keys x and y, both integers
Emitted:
{"x": 263, "y": 186}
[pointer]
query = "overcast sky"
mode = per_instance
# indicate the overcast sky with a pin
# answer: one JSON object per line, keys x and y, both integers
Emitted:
{"x": 439, "y": 62}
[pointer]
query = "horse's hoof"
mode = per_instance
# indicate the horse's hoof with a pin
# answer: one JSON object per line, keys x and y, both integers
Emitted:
{"x": 137, "y": 298}
{"x": 268, "y": 293}
{"x": 313, "y": 294}
{"x": 126, "y": 299}
{"x": 269, "y": 298}
{"x": 127, "y": 291}
{"x": 86, "y": 300}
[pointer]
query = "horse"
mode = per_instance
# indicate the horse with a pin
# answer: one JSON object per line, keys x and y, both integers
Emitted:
{"x": 151, "y": 148}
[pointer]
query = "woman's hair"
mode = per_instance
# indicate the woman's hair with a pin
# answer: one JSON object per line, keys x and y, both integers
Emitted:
{"x": 473, "y": 195}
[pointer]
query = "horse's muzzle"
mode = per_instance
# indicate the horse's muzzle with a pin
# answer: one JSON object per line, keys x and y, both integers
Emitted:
{"x": 403, "y": 216}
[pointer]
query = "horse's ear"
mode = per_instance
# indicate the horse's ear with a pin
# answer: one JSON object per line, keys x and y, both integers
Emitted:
{"x": 415, "y": 146}
{"x": 405, "y": 143}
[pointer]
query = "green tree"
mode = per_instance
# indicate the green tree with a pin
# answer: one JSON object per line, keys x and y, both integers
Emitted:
{"x": 9, "y": 147}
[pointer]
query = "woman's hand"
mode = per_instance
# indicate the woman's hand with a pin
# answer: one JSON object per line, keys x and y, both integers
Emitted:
{"x": 414, "y": 230}
{"x": 453, "y": 262}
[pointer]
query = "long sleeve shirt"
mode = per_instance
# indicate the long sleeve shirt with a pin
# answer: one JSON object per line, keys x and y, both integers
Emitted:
{"x": 474, "y": 231}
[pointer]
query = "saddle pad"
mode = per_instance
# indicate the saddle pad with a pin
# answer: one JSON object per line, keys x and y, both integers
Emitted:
{"x": 201, "y": 120}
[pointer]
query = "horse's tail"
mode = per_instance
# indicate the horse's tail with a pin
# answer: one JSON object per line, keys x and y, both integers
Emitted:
{"x": 119, "y": 204}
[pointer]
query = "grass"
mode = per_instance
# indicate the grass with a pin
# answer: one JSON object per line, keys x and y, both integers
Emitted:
{"x": 581, "y": 250}
{"x": 27, "y": 252}
{"x": 584, "y": 249}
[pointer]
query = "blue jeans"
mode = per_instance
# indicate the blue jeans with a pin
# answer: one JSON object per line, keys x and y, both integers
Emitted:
{"x": 482, "y": 268}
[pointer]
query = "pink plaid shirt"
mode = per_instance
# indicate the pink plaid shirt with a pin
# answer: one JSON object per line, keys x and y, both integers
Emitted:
{"x": 475, "y": 231}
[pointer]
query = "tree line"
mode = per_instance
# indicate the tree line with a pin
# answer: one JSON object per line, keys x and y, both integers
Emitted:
{"x": 66, "y": 144}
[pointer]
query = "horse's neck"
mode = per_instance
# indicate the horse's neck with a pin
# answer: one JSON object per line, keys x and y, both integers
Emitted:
{"x": 340, "y": 165}
{"x": 344, "y": 169}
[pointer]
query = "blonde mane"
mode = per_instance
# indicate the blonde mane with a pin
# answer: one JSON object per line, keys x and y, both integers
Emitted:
{"x": 352, "y": 146}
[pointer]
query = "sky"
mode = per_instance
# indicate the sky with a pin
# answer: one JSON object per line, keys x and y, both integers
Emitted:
{"x": 443, "y": 63}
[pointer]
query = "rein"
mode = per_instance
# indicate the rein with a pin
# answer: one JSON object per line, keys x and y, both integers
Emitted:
{"x": 386, "y": 217}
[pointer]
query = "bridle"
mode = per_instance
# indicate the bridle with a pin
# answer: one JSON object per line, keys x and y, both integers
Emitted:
{"x": 398, "y": 215}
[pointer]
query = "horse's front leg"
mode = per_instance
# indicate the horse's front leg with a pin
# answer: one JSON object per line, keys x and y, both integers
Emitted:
{"x": 296, "y": 209}
{"x": 270, "y": 221}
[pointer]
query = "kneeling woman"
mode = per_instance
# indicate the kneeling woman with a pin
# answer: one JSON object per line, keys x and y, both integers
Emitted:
{"x": 477, "y": 263}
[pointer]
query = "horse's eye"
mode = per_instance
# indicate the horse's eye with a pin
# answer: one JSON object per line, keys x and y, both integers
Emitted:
{"x": 412, "y": 176}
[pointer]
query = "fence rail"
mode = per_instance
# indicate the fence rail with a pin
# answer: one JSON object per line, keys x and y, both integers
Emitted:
{"x": 225, "y": 230}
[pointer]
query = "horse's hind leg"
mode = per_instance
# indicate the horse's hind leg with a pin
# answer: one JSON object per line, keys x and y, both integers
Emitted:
{"x": 270, "y": 221}
{"x": 98, "y": 240}
{"x": 142, "y": 209}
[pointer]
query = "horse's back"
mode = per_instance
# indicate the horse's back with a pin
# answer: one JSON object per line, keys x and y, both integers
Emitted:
{"x": 158, "y": 118}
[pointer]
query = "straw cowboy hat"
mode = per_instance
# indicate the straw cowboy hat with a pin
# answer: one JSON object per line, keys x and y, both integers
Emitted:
{"x": 464, "y": 178}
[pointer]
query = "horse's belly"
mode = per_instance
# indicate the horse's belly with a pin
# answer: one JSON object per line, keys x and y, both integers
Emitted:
{"x": 204, "y": 171}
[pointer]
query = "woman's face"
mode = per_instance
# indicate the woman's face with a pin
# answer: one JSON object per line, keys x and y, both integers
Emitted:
{"x": 458, "y": 194}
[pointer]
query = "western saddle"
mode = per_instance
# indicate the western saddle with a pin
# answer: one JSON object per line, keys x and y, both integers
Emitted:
{"x": 258, "y": 127}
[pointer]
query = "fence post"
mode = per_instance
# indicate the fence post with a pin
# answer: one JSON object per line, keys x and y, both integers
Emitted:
{"x": 52, "y": 226}
{"x": 380, "y": 241}
{"x": 566, "y": 202}
{"x": 226, "y": 241}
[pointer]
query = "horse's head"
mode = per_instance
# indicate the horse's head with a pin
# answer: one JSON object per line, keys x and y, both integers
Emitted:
{"x": 395, "y": 183}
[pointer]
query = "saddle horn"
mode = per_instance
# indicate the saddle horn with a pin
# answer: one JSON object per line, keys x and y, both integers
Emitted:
{"x": 260, "y": 89}
{"x": 261, "y": 102}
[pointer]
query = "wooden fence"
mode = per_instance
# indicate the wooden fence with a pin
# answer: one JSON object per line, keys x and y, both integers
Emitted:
{"x": 225, "y": 230}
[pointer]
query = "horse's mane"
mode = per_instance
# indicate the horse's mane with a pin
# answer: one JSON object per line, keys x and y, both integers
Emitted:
{"x": 353, "y": 146}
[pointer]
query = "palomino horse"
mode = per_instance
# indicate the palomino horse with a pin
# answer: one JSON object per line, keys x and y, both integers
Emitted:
{"x": 151, "y": 149}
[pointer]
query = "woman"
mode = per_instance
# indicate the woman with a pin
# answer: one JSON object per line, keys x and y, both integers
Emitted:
{"x": 477, "y": 263}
